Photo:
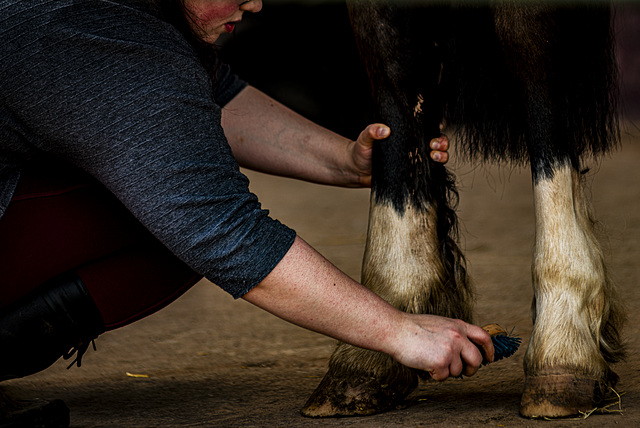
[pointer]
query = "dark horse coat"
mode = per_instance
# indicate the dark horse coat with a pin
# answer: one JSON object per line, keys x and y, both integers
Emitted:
{"x": 530, "y": 83}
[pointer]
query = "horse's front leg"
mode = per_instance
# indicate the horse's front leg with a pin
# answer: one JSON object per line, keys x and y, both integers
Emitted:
{"x": 411, "y": 258}
{"x": 577, "y": 319}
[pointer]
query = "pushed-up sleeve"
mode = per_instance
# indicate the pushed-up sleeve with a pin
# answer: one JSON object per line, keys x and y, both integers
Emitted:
{"x": 121, "y": 95}
{"x": 226, "y": 85}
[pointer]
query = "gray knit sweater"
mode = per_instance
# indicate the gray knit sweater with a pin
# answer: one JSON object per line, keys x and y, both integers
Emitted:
{"x": 113, "y": 90}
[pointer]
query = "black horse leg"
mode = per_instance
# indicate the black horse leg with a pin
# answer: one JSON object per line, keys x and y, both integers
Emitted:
{"x": 411, "y": 258}
{"x": 576, "y": 315}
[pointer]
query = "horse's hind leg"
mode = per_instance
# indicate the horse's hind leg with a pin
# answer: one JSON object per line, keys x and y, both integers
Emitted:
{"x": 575, "y": 312}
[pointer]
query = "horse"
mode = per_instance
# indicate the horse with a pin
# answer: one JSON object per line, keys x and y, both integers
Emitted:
{"x": 529, "y": 83}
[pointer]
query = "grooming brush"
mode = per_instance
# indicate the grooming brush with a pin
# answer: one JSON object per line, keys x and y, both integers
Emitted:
{"x": 505, "y": 343}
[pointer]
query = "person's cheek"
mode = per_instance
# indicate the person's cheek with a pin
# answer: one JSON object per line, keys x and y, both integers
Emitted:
{"x": 211, "y": 13}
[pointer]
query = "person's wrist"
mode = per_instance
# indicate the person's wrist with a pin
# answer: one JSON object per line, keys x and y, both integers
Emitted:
{"x": 395, "y": 341}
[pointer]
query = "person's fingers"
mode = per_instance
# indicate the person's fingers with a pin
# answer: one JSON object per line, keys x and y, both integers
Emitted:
{"x": 439, "y": 374}
{"x": 442, "y": 157}
{"x": 382, "y": 131}
{"x": 469, "y": 371}
{"x": 481, "y": 338}
{"x": 378, "y": 131}
{"x": 441, "y": 143}
{"x": 472, "y": 358}
{"x": 456, "y": 367}
{"x": 373, "y": 132}
{"x": 439, "y": 147}
{"x": 362, "y": 149}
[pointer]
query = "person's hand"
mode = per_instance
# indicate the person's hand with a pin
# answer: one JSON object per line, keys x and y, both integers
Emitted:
{"x": 362, "y": 148}
{"x": 443, "y": 347}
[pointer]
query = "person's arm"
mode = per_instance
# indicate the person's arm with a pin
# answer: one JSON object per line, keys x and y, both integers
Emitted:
{"x": 269, "y": 137}
{"x": 309, "y": 291}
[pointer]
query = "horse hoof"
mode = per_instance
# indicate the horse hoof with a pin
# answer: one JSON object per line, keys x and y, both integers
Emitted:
{"x": 561, "y": 395}
{"x": 358, "y": 395}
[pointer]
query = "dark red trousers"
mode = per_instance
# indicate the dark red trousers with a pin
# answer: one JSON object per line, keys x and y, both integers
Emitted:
{"x": 62, "y": 220}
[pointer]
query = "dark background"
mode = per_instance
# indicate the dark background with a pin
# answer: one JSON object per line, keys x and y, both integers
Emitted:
{"x": 304, "y": 55}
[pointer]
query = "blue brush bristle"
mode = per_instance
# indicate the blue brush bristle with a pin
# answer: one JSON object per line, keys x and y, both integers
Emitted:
{"x": 504, "y": 346}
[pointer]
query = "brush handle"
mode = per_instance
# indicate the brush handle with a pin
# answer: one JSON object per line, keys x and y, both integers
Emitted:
{"x": 504, "y": 343}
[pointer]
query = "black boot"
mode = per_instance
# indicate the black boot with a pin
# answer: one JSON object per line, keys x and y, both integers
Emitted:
{"x": 57, "y": 320}
{"x": 36, "y": 413}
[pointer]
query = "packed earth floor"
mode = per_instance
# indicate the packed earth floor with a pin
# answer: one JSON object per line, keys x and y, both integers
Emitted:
{"x": 209, "y": 361}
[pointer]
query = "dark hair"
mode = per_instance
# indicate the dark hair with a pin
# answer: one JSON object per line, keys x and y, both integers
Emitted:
{"x": 175, "y": 13}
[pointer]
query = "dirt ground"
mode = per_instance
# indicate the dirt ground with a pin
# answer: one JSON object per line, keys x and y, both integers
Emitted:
{"x": 207, "y": 360}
